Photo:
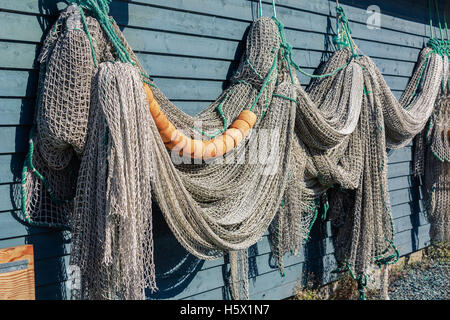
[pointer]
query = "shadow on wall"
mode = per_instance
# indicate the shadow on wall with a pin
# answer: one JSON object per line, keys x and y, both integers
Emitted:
{"x": 175, "y": 267}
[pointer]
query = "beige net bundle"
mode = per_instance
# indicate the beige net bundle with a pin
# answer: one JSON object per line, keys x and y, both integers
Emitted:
{"x": 112, "y": 220}
{"x": 361, "y": 219}
{"x": 431, "y": 165}
{"x": 57, "y": 139}
{"x": 330, "y": 137}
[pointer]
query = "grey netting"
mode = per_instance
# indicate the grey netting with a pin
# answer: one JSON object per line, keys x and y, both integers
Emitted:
{"x": 431, "y": 164}
{"x": 112, "y": 222}
{"x": 61, "y": 117}
{"x": 330, "y": 137}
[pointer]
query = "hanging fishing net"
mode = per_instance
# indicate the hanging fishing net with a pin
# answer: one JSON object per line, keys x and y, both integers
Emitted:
{"x": 263, "y": 156}
{"x": 431, "y": 165}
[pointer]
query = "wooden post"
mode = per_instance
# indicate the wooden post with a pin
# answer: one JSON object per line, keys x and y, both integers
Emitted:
{"x": 17, "y": 273}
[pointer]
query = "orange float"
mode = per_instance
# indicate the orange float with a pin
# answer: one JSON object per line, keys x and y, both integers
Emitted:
{"x": 199, "y": 149}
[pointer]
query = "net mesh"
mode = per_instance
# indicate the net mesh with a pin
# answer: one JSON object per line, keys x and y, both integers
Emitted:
{"x": 431, "y": 164}
{"x": 95, "y": 139}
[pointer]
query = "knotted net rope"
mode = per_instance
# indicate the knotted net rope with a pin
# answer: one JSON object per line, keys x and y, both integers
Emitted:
{"x": 330, "y": 137}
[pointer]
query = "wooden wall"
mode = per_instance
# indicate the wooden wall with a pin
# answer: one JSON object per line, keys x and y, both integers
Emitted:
{"x": 190, "y": 47}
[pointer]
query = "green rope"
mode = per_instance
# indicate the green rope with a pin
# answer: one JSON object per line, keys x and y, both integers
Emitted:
{"x": 326, "y": 206}
{"x": 99, "y": 9}
{"x": 88, "y": 34}
{"x": 287, "y": 51}
{"x": 361, "y": 280}
{"x": 343, "y": 37}
{"x": 224, "y": 119}
{"x": 284, "y": 97}
{"x": 149, "y": 83}
{"x": 266, "y": 81}
{"x": 391, "y": 259}
{"x": 431, "y": 19}
{"x": 274, "y": 9}
{"x": 447, "y": 42}
{"x": 313, "y": 220}
{"x": 253, "y": 68}
{"x": 439, "y": 19}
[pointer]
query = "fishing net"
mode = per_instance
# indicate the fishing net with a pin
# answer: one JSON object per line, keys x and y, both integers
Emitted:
{"x": 431, "y": 164}
{"x": 94, "y": 138}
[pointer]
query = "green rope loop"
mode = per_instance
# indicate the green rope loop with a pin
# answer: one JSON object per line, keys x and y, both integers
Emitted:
{"x": 344, "y": 37}
{"x": 360, "y": 279}
{"x": 391, "y": 259}
{"x": 224, "y": 119}
{"x": 99, "y": 9}
{"x": 28, "y": 165}
{"x": 265, "y": 83}
{"x": 287, "y": 55}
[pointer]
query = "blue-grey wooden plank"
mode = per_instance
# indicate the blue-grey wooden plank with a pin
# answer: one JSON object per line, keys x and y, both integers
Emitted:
{"x": 401, "y": 155}
{"x": 177, "y": 21}
{"x": 14, "y": 139}
{"x": 407, "y": 208}
{"x": 394, "y": 16}
{"x": 53, "y": 291}
{"x": 399, "y": 169}
{"x": 15, "y": 83}
{"x": 14, "y": 111}
{"x": 11, "y": 167}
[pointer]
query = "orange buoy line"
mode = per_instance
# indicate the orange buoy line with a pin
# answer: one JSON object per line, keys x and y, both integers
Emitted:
{"x": 199, "y": 149}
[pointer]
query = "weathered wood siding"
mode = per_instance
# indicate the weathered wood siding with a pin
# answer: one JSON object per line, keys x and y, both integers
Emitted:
{"x": 190, "y": 47}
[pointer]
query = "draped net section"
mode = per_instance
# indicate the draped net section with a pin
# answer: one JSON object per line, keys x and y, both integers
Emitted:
{"x": 97, "y": 161}
{"x": 431, "y": 165}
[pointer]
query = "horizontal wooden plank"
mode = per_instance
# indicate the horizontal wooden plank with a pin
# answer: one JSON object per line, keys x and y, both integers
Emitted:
{"x": 412, "y": 240}
{"x": 407, "y": 209}
{"x": 399, "y": 169}
{"x": 402, "y": 182}
{"x": 400, "y": 155}
{"x": 15, "y": 83}
{"x": 410, "y": 222}
{"x": 316, "y": 19}
{"x": 53, "y": 291}
{"x": 14, "y": 139}
{"x": 15, "y": 111}
{"x": 405, "y": 195}
{"x": 20, "y": 55}
{"x": 11, "y": 167}
{"x": 298, "y": 38}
